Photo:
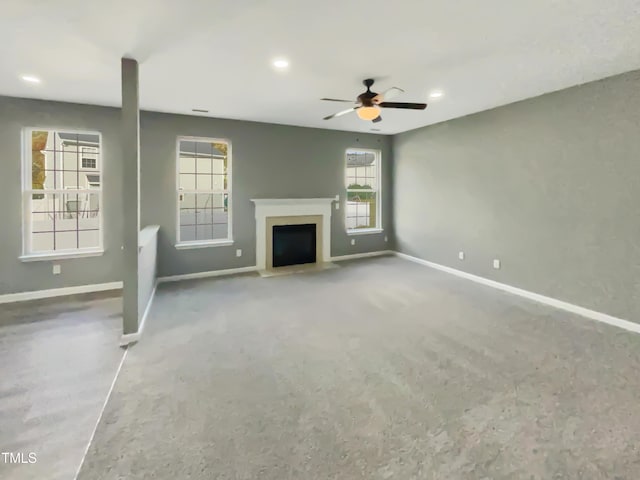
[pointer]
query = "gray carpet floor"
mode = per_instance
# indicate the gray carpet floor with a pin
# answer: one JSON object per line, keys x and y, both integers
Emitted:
{"x": 58, "y": 359}
{"x": 380, "y": 369}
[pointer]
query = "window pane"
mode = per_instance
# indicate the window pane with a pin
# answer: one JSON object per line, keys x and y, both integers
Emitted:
{"x": 219, "y": 182}
{"x": 206, "y": 216}
{"x": 39, "y": 141}
{"x": 70, "y": 158}
{"x": 89, "y": 238}
{"x": 196, "y": 181}
{"x": 361, "y": 210}
{"x": 204, "y": 164}
{"x": 187, "y": 164}
{"x": 204, "y": 181}
{"x": 46, "y": 210}
{"x": 187, "y": 233}
{"x": 214, "y": 225}
{"x": 66, "y": 240}
{"x": 42, "y": 242}
{"x": 63, "y": 160}
{"x": 362, "y": 170}
{"x": 42, "y": 223}
{"x": 219, "y": 165}
{"x": 187, "y": 181}
{"x": 62, "y": 217}
{"x": 82, "y": 206}
{"x": 220, "y": 227}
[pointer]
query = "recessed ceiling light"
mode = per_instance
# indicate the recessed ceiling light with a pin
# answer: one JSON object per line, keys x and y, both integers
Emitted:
{"x": 436, "y": 94}
{"x": 281, "y": 63}
{"x": 30, "y": 79}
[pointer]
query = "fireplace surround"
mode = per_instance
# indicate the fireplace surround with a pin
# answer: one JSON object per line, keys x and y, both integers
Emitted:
{"x": 274, "y": 212}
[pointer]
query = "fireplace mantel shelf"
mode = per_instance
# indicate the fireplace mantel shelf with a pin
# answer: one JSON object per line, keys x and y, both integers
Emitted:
{"x": 291, "y": 201}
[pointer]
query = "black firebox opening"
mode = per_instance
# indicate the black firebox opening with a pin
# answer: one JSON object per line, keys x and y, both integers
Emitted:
{"x": 294, "y": 244}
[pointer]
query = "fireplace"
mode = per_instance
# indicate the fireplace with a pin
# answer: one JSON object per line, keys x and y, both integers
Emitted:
{"x": 294, "y": 244}
{"x": 306, "y": 220}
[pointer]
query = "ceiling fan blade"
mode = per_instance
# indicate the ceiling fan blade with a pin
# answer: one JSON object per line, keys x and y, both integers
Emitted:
{"x": 377, "y": 119}
{"x": 409, "y": 106}
{"x": 339, "y": 114}
{"x": 387, "y": 95}
{"x": 337, "y": 100}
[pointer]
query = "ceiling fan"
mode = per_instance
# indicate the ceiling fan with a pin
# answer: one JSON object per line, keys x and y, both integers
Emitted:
{"x": 369, "y": 103}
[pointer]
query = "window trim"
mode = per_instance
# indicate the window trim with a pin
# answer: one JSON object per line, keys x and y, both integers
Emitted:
{"x": 379, "y": 227}
{"x": 26, "y": 190}
{"x": 218, "y": 242}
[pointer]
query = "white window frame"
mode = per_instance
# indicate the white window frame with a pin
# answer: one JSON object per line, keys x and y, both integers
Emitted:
{"x": 28, "y": 255}
{"x": 219, "y": 242}
{"x": 378, "y": 189}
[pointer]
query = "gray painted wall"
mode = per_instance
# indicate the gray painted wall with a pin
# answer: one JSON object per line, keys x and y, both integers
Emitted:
{"x": 16, "y": 276}
{"x": 268, "y": 161}
{"x": 550, "y": 186}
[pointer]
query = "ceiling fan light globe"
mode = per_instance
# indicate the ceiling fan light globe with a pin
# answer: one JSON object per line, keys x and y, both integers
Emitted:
{"x": 368, "y": 113}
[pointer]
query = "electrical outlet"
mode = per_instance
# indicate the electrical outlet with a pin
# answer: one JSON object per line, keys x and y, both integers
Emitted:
{"x": 353, "y": 241}
{"x": 57, "y": 269}
{"x": 239, "y": 252}
{"x": 461, "y": 255}
{"x": 337, "y": 205}
{"x": 496, "y": 263}
{"x": 386, "y": 239}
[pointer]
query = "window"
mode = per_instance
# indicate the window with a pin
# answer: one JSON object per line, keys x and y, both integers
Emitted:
{"x": 88, "y": 163}
{"x": 61, "y": 195}
{"x": 363, "y": 191}
{"x": 203, "y": 192}
{"x": 89, "y": 158}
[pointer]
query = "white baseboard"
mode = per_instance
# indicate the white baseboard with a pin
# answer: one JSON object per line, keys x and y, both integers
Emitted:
{"x": 212, "y": 273}
{"x": 130, "y": 338}
{"x": 553, "y": 302}
{"x": 59, "y": 292}
{"x": 354, "y": 256}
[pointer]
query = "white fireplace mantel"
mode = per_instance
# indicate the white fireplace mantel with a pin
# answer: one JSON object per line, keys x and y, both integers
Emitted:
{"x": 285, "y": 207}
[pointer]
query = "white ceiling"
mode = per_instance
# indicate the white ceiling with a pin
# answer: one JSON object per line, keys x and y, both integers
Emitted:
{"x": 217, "y": 55}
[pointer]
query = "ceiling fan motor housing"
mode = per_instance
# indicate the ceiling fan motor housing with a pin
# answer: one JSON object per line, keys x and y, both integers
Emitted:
{"x": 366, "y": 98}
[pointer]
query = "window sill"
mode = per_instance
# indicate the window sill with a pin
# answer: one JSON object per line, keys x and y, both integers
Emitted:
{"x": 192, "y": 245}
{"x": 365, "y": 231}
{"x": 43, "y": 257}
